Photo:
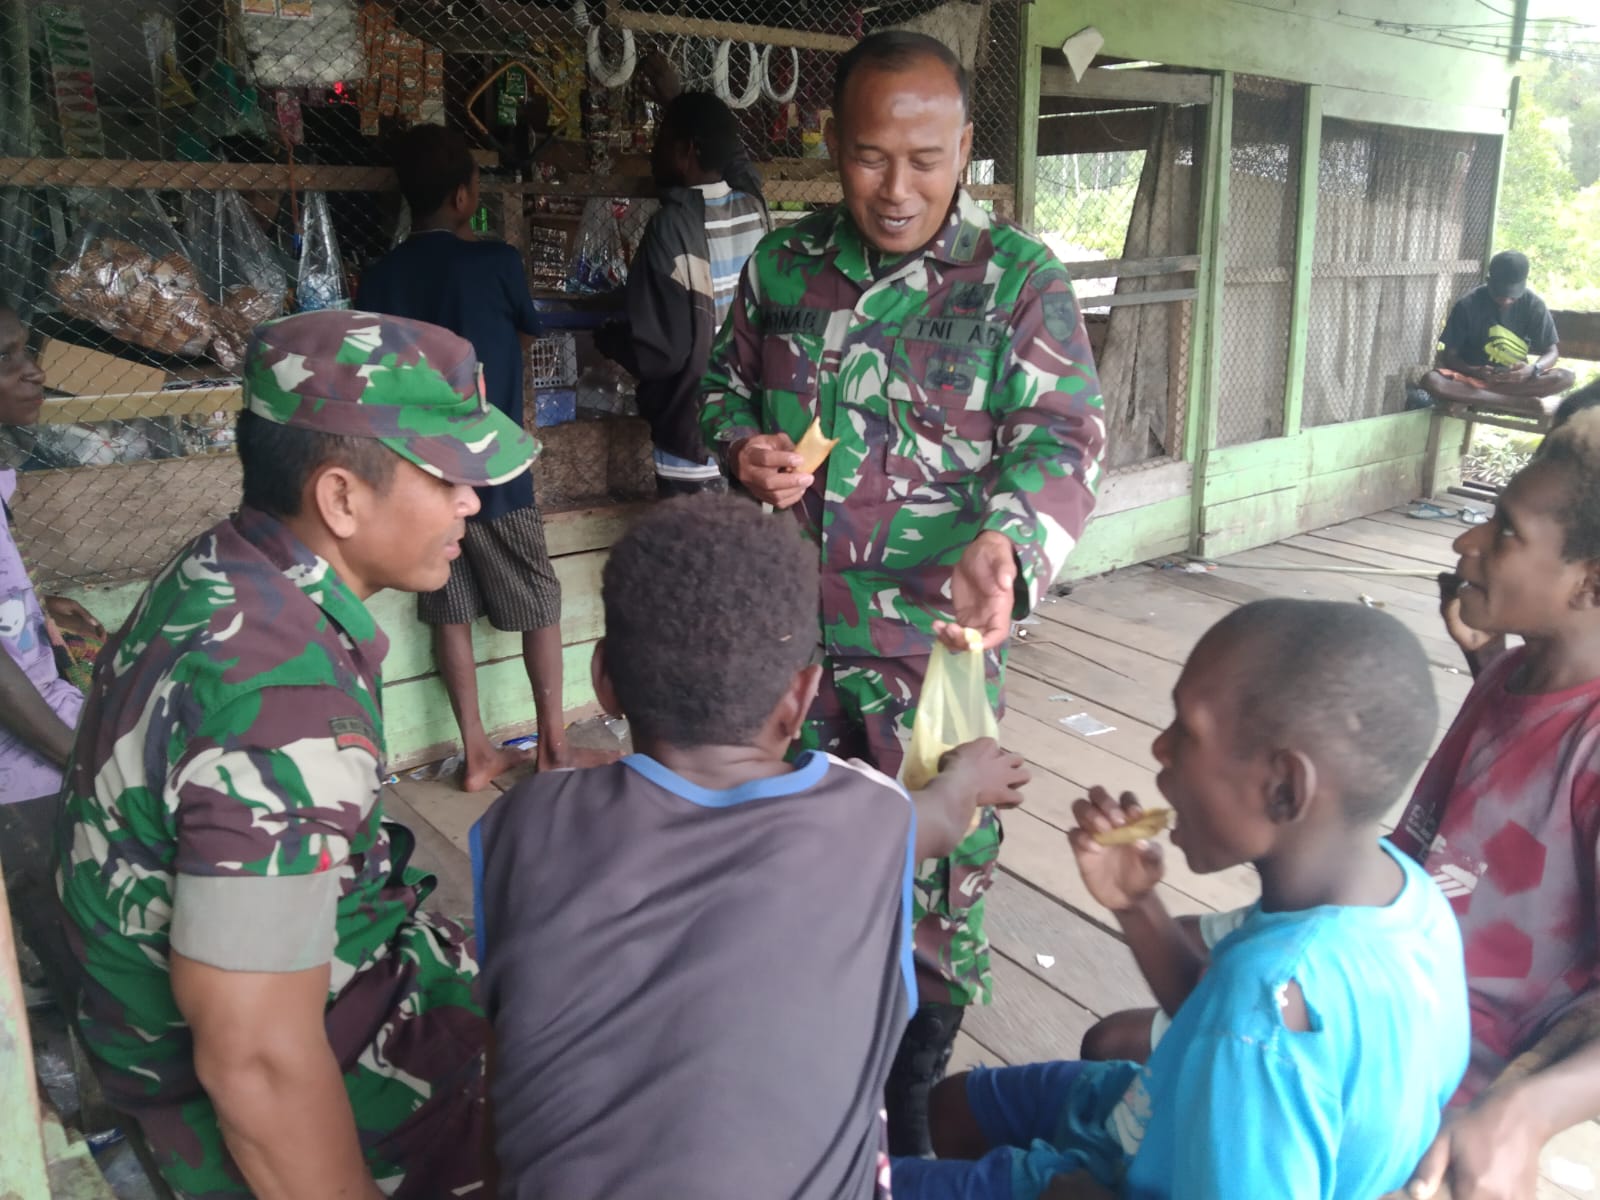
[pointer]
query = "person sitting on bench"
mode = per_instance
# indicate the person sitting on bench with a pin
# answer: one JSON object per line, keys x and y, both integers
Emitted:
{"x": 1484, "y": 349}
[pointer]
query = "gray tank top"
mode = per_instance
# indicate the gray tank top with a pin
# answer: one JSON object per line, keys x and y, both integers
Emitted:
{"x": 694, "y": 994}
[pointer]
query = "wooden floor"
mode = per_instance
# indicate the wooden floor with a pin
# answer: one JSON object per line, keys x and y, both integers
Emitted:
{"x": 1112, "y": 649}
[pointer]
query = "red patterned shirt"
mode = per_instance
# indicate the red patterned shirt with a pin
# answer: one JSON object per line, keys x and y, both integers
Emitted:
{"x": 1506, "y": 818}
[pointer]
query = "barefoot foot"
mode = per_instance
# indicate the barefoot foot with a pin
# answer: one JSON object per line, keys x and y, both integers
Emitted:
{"x": 484, "y": 767}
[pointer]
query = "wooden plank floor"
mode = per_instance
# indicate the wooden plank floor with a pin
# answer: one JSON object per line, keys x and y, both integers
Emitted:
{"x": 1113, "y": 649}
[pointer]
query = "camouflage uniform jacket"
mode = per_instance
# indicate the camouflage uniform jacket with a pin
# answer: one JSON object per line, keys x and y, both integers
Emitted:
{"x": 962, "y": 391}
{"x": 223, "y": 803}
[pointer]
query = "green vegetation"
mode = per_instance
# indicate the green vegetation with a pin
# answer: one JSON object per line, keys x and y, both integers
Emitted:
{"x": 1086, "y": 200}
{"x": 1550, "y": 193}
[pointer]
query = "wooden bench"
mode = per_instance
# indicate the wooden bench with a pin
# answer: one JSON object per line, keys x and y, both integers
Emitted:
{"x": 1580, "y": 341}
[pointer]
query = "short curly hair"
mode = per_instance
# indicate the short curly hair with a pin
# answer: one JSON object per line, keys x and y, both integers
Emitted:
{"x": 711, "y": 607}
{"x": 1573, "y": 447}
{"x": 1346, "y": 683}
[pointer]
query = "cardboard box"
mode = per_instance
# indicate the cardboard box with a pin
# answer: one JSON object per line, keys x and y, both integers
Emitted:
{"x": 80, "y": 371}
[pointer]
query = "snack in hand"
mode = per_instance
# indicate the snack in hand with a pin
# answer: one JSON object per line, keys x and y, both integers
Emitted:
{"x": 813, "y": 448}
{"x": 1147, "y": 826}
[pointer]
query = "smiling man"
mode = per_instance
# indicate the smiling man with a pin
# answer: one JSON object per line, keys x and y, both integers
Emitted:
{"x": 260, "y": 989}
{"x": 943, "y": 349}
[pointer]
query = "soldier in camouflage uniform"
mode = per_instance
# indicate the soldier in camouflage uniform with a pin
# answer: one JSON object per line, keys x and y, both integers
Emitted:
{"x": 944, "y": 349}
{"x": 246, "y": 922}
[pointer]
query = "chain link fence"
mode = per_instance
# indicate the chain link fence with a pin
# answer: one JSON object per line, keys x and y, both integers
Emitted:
{"x": 1122, "y": 208}
{"x": 1402, "y": 225}
{"x": 1263, "y": 205}
{"x": 173, "y": 173}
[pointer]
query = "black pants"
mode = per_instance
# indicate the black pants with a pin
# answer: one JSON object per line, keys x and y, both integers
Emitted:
{"x": 919, "y": 1064}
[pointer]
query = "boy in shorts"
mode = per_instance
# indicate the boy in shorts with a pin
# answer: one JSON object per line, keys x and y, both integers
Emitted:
{"x": 444, "y": 275}
{"x": 697, "y": 960}
{"x": 1311, "y": 1056}
{"x": 1506, "y": 819}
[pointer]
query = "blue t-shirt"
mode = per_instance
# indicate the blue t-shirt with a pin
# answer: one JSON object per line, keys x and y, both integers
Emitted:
{"x": 476, "y": 289}
{"x": 1233, "y": 1103}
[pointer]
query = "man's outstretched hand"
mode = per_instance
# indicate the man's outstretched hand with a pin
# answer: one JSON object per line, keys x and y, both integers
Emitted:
{"x": 984, "y": 591}
{"x": 769, "y": 469}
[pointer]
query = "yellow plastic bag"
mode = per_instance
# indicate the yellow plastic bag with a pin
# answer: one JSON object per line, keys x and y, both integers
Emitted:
{"x": 953, "y": 710}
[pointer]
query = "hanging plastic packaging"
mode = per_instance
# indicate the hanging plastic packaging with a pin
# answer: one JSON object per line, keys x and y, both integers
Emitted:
{"x": 952, "y": 710}
{"x": 598, "y": 264}
{"x": 237, "y": 267}
{"x": 130, "y": 274}
{"x": 321, "y": 279}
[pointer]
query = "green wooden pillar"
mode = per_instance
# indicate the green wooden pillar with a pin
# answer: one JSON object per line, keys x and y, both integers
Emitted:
{"x": 1305, "y": 239}
{"x": 1200, "y": 431}
{"x": 1028, "y": 70}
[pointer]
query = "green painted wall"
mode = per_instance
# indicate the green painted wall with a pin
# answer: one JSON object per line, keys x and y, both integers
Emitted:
{"x": 417, "y": 720}
{"x": 1355, "y": 69}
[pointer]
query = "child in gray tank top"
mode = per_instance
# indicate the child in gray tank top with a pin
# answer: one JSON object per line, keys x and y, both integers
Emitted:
{"x": 698, "y": 960}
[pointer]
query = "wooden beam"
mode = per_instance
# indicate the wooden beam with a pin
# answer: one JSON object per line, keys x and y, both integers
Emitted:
{"x": 1164, "y": 87}
{"x": 1578, "y": 334}
{"x": 129, "y": 173}
{"x": 769, "y": 35}
{"x": 1124, "y": 299}
{"x": 1133, "y": 268}
{"x": 1094, "y": 133}
{"x": 1305, "y": 243}
{"x": 134, "y": 173}
{"x": 174, "y": 402}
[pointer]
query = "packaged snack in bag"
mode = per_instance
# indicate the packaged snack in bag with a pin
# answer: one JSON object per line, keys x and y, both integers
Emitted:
{"x": 952, "y": 710}
{"x": 237, "y": 268}
{"x": 321, "y": 280}
{"x": 129, "y": 273}
{"x": 597, "y": 263}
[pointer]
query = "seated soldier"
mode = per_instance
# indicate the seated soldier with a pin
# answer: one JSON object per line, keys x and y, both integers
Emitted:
{"x": 259, "y": 987}
{"x": 1483, "y": 351}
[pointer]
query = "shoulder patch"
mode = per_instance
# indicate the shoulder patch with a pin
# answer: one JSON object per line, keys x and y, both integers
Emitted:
{"x": 1060, "y": 315}
{"x": 1049, "y": 273}
{"x": 352, "y": 733}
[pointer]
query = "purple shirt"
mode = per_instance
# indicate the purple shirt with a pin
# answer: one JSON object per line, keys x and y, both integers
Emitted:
{"x": 23, "y": 774}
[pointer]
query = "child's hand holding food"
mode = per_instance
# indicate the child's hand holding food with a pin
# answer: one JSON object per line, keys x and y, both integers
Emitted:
{"x": 1120, "y": 862}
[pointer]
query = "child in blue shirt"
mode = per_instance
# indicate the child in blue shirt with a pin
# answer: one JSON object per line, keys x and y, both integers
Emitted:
{"x": 1312, "y": 1056}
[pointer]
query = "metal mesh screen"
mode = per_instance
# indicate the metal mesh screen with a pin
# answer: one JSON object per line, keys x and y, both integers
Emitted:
{"x": 1126, "y": 220}
{"x": 172, "y": 173}
{"x": 1402, "y": 227}
{"x": 1263, "y": 199}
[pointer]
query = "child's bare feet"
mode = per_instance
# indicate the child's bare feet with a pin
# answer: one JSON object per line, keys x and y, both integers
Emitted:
{"x": 567, "y": 758}
{"x": 488, "y": 763}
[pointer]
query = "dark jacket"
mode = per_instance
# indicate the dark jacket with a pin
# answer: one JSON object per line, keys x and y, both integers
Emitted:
{"x": 665, "y": 338}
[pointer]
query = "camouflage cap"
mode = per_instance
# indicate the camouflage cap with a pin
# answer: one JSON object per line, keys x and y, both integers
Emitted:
{"x": 415, "y": 387}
